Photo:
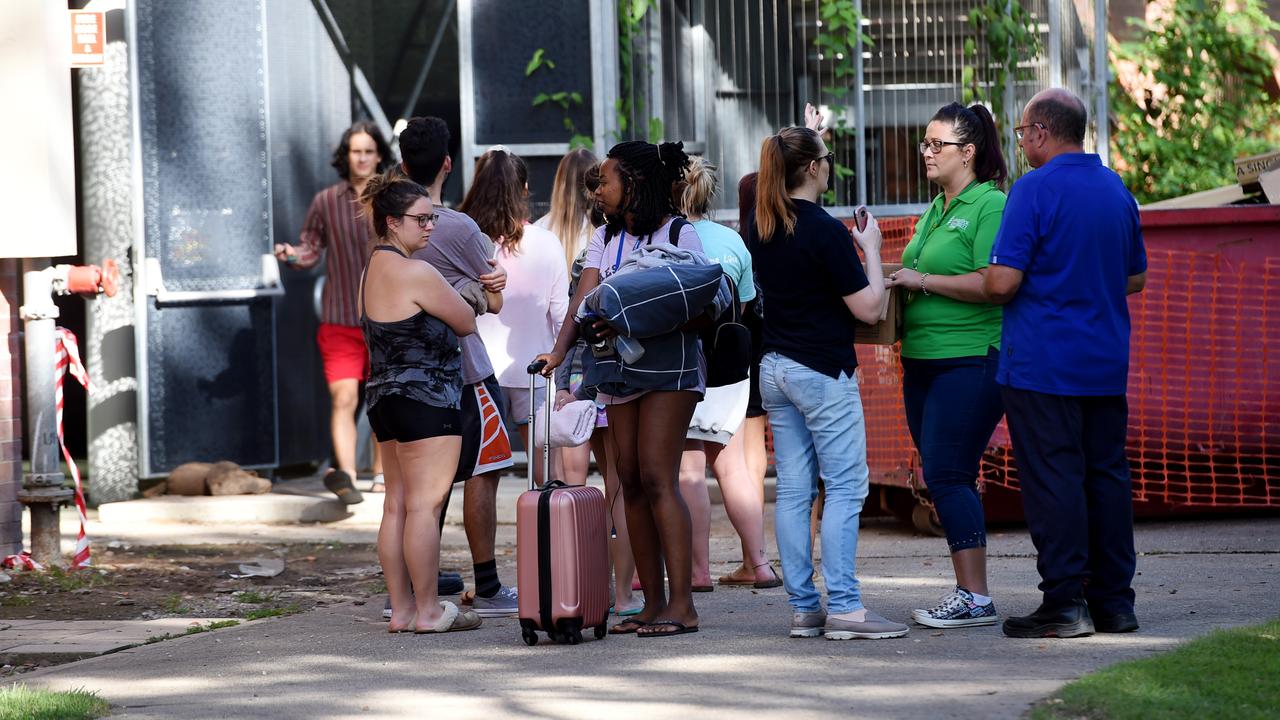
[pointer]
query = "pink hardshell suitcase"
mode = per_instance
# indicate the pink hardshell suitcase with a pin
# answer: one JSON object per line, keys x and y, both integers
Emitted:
{"x": 562, "y": 562}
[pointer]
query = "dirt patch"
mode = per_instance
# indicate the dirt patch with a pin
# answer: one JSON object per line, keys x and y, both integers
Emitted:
{"x": 144, "y": 583}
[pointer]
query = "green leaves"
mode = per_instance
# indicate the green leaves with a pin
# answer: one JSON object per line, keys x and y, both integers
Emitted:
{"x": 1010, "y": 35}
{"x": 538, "y": 60}
{"x": 655, "y": 130}
{"x": 837, "y": 41}
{"x": 1198, "y": 98}
{"x": 564, "y": 99}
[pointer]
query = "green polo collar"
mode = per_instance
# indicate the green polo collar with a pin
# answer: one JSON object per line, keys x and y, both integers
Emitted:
{"x": 971, "y": 194}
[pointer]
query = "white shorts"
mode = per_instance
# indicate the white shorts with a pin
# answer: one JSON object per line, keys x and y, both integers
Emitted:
{"x": 720, "y": 413}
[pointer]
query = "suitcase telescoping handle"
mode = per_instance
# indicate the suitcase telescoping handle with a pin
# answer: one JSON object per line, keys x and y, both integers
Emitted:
{"x": 534, "y": 369}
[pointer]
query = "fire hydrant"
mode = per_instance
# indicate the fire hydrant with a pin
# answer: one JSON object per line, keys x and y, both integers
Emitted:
{"x": 42, "y": 488}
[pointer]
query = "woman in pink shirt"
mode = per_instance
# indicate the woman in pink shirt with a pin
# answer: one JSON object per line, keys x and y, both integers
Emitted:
{"x": 536, "y": 297}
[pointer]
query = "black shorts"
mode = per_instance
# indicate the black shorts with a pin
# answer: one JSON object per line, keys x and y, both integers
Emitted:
{"x": 398, "y": 418}
{"x": 486, "y": 446}
{"x": 754, "y": 323}
{"x": 755, "y": 406}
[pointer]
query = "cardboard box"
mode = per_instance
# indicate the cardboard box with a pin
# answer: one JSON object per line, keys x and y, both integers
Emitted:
{"x": 1248, "y": 169}
{"x": 889, "y": 330}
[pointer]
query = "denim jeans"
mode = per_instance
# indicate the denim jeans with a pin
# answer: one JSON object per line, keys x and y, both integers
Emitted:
{"x": 953, "y": 406}
{"x": 817, "y": 431}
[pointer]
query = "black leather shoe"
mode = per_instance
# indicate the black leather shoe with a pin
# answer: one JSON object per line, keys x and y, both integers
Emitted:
{"x": 1118, "y": 623}
{"x": 1063, "y": 621}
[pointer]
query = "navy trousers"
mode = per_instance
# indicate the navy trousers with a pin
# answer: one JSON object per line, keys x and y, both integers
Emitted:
{"x": 1077, "y": 495}
{"x": 953, "y": 406}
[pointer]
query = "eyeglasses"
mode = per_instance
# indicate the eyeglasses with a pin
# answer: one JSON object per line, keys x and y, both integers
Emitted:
{"x": 829, "y": 157}
{"x": 424, "y": 220}
{"x": 935, "y": 146}
{"x": 1022, "y": 129}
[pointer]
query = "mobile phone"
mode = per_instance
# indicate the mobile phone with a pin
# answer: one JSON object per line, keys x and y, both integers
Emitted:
{"x": 860, "y": 218}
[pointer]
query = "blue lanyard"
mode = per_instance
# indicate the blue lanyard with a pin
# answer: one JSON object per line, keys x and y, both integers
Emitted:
{"x": 617, "y": 263}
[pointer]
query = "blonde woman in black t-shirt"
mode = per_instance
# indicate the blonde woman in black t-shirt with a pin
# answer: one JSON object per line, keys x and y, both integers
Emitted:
{"x": 816, "y": 288}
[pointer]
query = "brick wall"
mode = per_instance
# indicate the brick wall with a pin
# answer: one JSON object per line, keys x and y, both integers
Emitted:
{"x": 10, "y": 409}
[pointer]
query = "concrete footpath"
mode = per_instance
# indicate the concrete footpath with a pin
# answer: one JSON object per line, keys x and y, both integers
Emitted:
{"x": 339, "y": 662}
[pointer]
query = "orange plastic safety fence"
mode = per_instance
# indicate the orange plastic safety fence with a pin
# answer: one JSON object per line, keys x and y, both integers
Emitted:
{"x": 890, "y": 451}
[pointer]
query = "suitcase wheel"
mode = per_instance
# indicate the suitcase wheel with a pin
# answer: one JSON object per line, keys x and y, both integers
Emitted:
{"x": 574, "y": 636}
{"x": 529, "y": 636}
{"x": 601, "y": 631}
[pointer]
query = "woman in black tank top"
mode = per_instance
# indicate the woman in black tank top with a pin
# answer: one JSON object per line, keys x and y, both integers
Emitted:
{"x": 411, "y": 320}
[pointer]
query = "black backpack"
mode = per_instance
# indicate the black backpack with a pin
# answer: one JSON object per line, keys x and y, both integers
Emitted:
{"x": 727, "y": 344}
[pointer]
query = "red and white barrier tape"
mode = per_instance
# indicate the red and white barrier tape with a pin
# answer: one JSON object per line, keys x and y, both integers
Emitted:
{"x": 67, "y": 359}
{"x": 21, "y": 561}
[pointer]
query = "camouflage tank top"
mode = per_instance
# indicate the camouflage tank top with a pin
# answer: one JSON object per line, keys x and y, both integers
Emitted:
{"x": 418, "y": 357}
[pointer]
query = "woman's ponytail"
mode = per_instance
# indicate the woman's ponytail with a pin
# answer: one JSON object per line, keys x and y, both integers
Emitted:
{"x": 774, "y": 208}
{"x": 989, "y": 160}
{"x": 783, "y": 159}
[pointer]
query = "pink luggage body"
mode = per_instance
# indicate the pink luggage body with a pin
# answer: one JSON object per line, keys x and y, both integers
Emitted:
{"x": 562, "y": 562}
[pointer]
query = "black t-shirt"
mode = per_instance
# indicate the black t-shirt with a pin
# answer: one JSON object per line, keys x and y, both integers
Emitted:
{"x": 804, "y": 278}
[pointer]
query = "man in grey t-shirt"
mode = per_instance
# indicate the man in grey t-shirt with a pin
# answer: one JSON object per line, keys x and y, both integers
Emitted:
{"x": 464, "y": 256}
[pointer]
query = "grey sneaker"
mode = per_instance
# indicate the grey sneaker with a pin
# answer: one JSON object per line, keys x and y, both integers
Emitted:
{"x": 873, "y": 627}
{"x": 807, "y": 625}
{"x": 505, "y": 603}
{"x": 957, "y": 609}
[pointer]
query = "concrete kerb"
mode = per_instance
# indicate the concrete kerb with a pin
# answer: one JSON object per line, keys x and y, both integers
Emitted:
{"x": 306, "y": 500}
{"x": 60, "y": 641}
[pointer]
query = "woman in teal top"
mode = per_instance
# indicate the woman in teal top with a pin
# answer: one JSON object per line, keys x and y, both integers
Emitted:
{"x": 950, "y": 345}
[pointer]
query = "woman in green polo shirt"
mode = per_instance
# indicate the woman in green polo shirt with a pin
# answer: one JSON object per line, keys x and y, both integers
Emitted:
{"x": 950, "y": 345}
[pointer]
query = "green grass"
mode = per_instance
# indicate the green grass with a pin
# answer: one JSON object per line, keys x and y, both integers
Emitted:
{"x": 253, "y": 597}
{"x": 266, "y": 612}
{"x": 172, "y": 604}
{"x": 193, "y": 630}
{"x": 56, "y": 579}
{"x": 1226, "y": 674}
{"x": 18, "y": 601}
{"x": 22, "y": 703}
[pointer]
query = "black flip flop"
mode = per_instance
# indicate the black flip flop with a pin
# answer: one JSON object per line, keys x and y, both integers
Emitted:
{"x": 766, "y": 584}
{"x": 680, "y": 629}
{"x": 339, "y": 483}
{"x": 629, "y": 621}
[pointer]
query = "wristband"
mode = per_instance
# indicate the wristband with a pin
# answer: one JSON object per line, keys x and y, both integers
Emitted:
{"x": 922, "y": 287}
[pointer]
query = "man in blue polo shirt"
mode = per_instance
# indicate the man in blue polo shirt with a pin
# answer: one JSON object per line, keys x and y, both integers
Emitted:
{"x": 1068, "y": 252}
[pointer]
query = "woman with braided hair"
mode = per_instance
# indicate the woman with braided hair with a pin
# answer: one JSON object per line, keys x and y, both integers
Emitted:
{"x": 647, "y": 427}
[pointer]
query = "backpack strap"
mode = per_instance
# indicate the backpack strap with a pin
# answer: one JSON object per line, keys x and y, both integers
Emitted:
{"x": 673, "y": 234}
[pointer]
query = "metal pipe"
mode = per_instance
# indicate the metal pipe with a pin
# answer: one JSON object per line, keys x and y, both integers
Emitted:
{"x": 42, "y": 491}
{"x": 421, "y": 80}
{"x": 860, "y": 115}
{"x": 1101, "y": 70}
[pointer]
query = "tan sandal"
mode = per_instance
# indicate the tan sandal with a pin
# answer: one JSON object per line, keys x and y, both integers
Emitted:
{"x": 452, "y": 620}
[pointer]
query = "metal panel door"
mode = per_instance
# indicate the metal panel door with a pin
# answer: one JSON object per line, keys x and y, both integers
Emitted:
{"x": 205, "y": 277}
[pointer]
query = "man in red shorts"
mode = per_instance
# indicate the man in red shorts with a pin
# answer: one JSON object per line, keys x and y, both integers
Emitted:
{"x": 335, "y": 230}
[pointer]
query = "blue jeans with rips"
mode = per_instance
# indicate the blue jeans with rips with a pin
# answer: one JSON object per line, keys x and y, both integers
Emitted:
{"x": 818, "y": 430}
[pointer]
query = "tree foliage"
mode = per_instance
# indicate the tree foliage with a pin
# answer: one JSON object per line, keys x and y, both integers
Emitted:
{"x": 1197, "y": 97}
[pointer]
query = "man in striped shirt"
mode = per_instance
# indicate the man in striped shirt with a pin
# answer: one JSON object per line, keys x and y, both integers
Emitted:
{"x": 335, "y": 230}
